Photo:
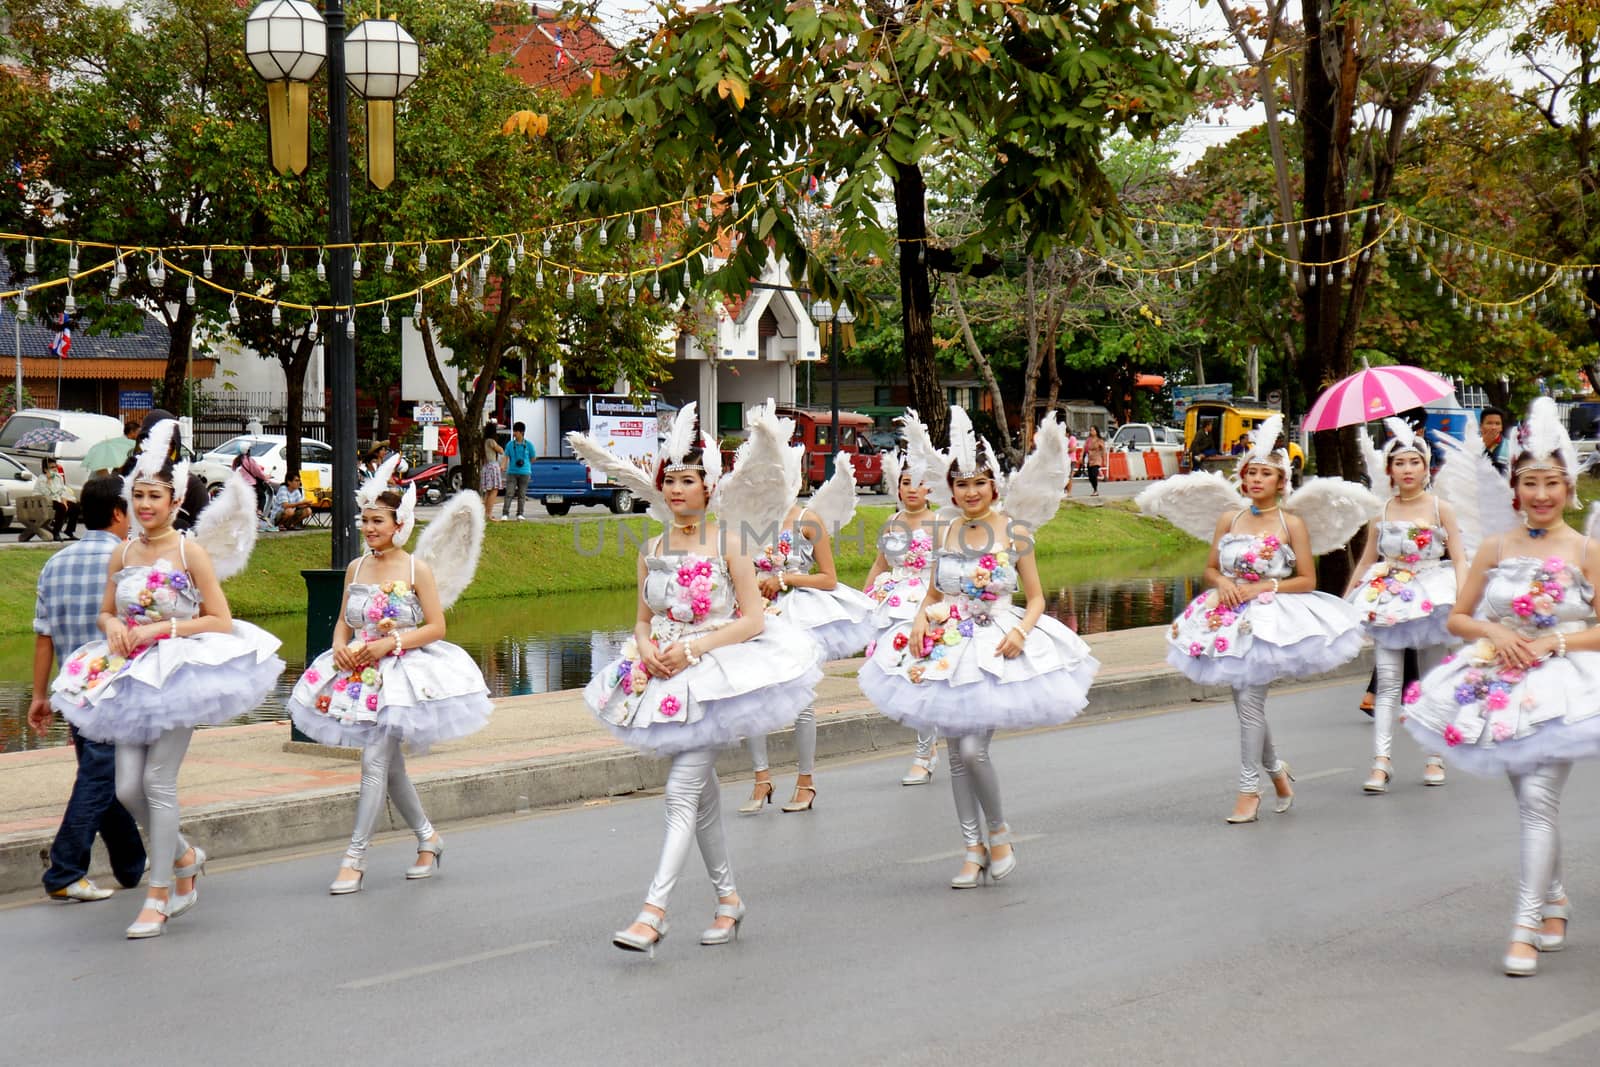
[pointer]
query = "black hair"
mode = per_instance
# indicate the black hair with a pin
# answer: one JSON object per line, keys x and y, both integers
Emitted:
{"x": 519, "y": 427}
{"x": 192, "y": 498}
{"x": 130, "y": 427}
{"x": 100, "y": 500}
{"x": 1505, "y": 418}
{"x": 694, "y": 459}
{"x": 290, "y": 476}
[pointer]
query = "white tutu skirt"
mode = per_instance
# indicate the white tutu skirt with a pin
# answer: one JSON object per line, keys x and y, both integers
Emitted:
{"x": 838, "y": 619}
{"x": 1291, "y": 635}
{"x": 1406, "y": 609}
{"x": 963, "y": 687}
{"x": 896, "y": 600}
{"x": 427, "y": 695}
{"x": 180, "y": 682}
{"x": 743, "y": 690}
{"x": 1490, "y": 721}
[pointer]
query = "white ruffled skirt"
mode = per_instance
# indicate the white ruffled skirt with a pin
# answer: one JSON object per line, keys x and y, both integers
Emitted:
{"x": 1292, "y": 635}
{"x": 838, "y": 619}
{"x": 743, "y": 690}
{"x": 1402, "y": 608}
{"x": 424, "y": 696}
{"x": 201, "y": 680}
{"x": 1488, "y": 720}
{"x": 963, "y": 687}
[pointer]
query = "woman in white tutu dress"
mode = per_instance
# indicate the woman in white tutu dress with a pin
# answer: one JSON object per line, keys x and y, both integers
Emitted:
{"x": 174, "y": 658}
{"x": 706, "y": 665}
{"x": 390, "y": 677}
{"x": 796, "y": 575}
{"x": 1404, "y": 587}
{"x": 1262, "y": 618}
{"x": 972, "y": 661}
{"x": 900, "y": 577}
{"x": 1523, "y": 697}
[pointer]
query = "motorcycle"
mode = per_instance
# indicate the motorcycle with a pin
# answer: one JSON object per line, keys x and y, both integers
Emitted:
{"x": 429, "y": 480}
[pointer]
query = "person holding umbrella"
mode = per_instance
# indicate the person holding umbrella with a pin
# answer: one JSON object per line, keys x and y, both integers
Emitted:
{"x": 109, "y": 455}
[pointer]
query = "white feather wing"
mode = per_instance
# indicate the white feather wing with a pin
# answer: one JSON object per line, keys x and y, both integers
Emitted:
{"x": 1033, "y": 492}
{"x": 1333, "y": 510}
{"x": 624, "y": 473}
{"x": 1377, "y": 470}
{"x": 227, "y": 527}
{"x": 834, "y": 503}
{"x": 1192, "y": 502}
{"x": 752, "y": 499}
{"x": 1469, "y": 483}
{"x": 451, "y": 543}
{"x": 924, "y": 460}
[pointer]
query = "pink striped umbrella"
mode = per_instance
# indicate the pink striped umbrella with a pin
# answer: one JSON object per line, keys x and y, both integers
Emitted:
{"x": 1373, "y": 393}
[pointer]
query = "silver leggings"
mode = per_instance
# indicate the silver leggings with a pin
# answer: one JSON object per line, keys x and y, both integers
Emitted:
{"x": 383, "y": 771}
{"x": 975, "y": 784}
{"x": 694, "y": 813}
{"x": 805, "y": 743}
{"x": 1539, "y": 805}
{"x": 147, "y": 785}
{"x": 1386, "y": 695}
{"x": 927, "y": 744}
{"x": 1255, "y": 740}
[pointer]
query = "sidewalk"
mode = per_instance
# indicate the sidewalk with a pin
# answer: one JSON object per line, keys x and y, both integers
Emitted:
{"x": 248, "y": 789}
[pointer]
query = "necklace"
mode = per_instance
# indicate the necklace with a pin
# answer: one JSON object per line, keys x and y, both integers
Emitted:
{"x": 686, "y": 527}
{"x": 1418, "y": 495}
{"x": 145, "y": 537}
{"x": 908, "y": 513}
{"x": 1535, "y": 532}
{"x": 974, "y": 520}
{"x": 1263, "y": 511}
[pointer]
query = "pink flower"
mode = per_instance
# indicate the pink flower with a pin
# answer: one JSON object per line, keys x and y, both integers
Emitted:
{"x": 987, "y": 562}
{"x": 872, "y": 646}
{"x": 1266, "y": 596}
{"x": 1449, "y": 658}
{"x": 1413, "y": 693}
{"x": 1523, "y": 605}
{"x": 1501, "y": 731}
{"x": 894, "y": 602}
{"x": 341, "y": 684}
{"x": 670, "y": 705}
{"x": 75, "y": 667}
{"x": 313, "y": 677}
{"x": 1220, "y": 644}
{"x": 1555, "y": 565}
{"x": 372, "y": 701}
{"x": 1427, "y": 607}
{"x": 1452, "y": 736}
{"x": 1512, "y": 675}
{"x": 1195, "y": 649}
{"x": 1497, "y": 700}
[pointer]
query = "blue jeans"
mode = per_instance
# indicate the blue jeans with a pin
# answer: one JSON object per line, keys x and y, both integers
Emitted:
{"x": 94, "y": 809}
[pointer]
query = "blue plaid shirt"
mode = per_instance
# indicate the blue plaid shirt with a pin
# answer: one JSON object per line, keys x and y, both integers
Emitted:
{"x": 71, "y": 586}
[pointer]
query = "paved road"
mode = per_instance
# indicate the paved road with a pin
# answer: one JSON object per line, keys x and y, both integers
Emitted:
{"x": 1138, "y": 928}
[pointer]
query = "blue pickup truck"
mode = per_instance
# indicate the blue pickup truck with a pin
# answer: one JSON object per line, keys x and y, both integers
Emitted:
{"x": 630, "y": 428}
{"x": 561, "y": 483}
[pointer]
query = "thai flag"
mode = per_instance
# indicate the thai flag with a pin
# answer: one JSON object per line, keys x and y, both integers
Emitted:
{"x": 61, "y": 343}
{"x": 561, "y": 50}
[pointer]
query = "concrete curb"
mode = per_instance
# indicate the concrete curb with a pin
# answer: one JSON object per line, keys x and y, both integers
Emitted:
{"x": 238, "y": 829}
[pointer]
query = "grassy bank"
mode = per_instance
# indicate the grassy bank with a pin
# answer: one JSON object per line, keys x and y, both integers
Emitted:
{"x": 533, "y": 559}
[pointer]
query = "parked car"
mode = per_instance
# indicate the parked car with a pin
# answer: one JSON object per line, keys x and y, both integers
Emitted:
{"x": 812, "y": 429}
{"x": 269, "y": 450}
{"x": 88, "y": 430}
{"x": 15, "y": 480}
{"x": 1144, "y": 436}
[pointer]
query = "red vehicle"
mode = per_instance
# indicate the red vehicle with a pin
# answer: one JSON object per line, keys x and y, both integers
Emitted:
{"x": 813, "y": 429}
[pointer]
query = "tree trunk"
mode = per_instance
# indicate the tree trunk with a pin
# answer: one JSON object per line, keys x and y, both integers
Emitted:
{"x": 180, "y": 339}
{"x": 295, "y": 363}
{"x": 916, "y": 300}
{"x": 1013, "y": 453}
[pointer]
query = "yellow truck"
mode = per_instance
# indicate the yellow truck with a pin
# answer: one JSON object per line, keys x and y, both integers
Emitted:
{"x": 1216, "y": 433}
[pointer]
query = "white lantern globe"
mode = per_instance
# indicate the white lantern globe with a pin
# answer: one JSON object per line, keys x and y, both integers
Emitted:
{"x": 381, "y": 59}
{"x": 285, "y": 40}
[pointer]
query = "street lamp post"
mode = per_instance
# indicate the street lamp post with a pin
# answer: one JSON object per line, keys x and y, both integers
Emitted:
{"x": 824, "y": 314}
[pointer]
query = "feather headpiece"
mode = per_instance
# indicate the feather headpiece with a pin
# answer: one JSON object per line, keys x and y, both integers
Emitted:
{"x": 1264, "y": 448}
{"x": 160, "y": 461}
{"x": 405, "y": 516}
{"x": 682, "y": 439}
{"x": 1404, "y": 439}
{"x": 965, "y": 457}
{"x": 1541, "y": 443}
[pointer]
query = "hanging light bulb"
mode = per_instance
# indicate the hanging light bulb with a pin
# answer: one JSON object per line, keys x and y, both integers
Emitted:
{"x": 1283, "y": 268}
{"x": 1327, "y": 277}
{"x": 422, "y": 256}
{"x": 355, "y": 263}
{"x": 633, "y": 294}
{"x": 350, "y": 324}
{"x": 1213, "y": 264}
{"x": 454, "y": 293}
{"x": 161, "y": 274}
{"x": 483, "y": 268}
{"x": 686, "y": 217}
{"x": 315, "y": 328}
{"x": 189, "y": 294}
{"x": 383, "y": 323}
{"x": 283, "y": 268}
{"x": 277, "y": 315}
{"x": 632, "y": 231}
{"x": 656, "y": 233}
{"x": 233, "y": 311}
{"x": 30, "y": 263}
{"x": 388, "y": 259}
{"x": 603, "y": 237}
{"x": 116, "y": 285}
{"x": 600, "y": 288}
{"x": 416, "y": 309}
{"x": 205, "y": 264}
{"x": 121, "y": 270}
{"x": 22, "y": 304}
{"x": 577, "y": 239}
{"x": 547, "y": 246}
{"x": 72, "y": 259}
{"x": 655, "y": 287}
{"x": 538, "y": 275}
{"x": 1311, "y": 277}
{"x": 1261, "y": 261}
{"x": 572, "y": 290}
{"x": 455, "y": 255}
{"x": 249, "y": 267}
{"x": 150, "y": 270}
{"x": 70, "y": 306}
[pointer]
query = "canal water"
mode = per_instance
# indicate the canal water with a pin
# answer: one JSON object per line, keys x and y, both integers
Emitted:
{"x": 545, "y": 643}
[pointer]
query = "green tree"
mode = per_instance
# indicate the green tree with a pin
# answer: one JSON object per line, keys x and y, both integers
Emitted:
{"x": 870, "y": 95}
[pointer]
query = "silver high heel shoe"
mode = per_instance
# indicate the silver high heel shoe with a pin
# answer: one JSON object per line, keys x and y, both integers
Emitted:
{"x": 998, "y": 869}
{"x": 633, "y": 943}
{"x": 1554, "y": 942}
{"x": 717, "y": 935}
{"x": 142, "y": 930}
{"x": 1378, "y": 780}
{"x": 179, "y": 903}
{"x": 425, "y": 870}
{"x": 970, "y": 881}
{"x": 1516, "y": 966}
{"x": 344, "y": 886}
{"x": 1284, "y": 771}
{"x": 1433, "y": 771}
{"x": 1255, "y": 812}
{"x": 757, "y": 799}
{"x": 927, "y": 764}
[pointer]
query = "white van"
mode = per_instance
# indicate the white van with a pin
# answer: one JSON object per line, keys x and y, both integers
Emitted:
{"x": 87, "y": 429}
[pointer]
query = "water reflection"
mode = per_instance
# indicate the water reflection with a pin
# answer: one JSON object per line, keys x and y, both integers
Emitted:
{"x": 554, "y": 642}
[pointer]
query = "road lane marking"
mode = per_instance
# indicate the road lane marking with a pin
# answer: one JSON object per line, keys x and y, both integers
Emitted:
{"x": 955, "y": 854}
{"x": 1329, "y": 773}
{"x": 445, "y": 965}
{"x": 1554, "y": 1038}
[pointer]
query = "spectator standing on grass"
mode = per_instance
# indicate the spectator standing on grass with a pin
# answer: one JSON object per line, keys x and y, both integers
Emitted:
{"x": 66, "y": 616}
{"x": 290, "y": 509}
{"x": 519, "y": 467}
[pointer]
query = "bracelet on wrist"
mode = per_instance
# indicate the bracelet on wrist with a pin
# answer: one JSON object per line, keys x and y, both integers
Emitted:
{"x": 689, "y": 653}
{"x": 783, "y": 583}
{"x": 399, "y": 649}
{"x": 1274, "y": 585}
{"x": 1561, "y": 643}
{"x": 173, "y": 631}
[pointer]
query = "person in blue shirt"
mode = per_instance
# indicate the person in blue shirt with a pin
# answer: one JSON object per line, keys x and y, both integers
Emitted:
{"x": 519, "y": 465}
{"x": 65, "y": 617}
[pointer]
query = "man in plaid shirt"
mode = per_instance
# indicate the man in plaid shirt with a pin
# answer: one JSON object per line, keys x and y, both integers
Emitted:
{"x": 66, "y": 617}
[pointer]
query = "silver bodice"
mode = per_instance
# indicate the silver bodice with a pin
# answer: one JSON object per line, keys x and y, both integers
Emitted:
{"x": 956, "y": 575}
{"x": 1509, "y": 596}
{"x": 1268, "y": 556}
{"x": 405, "y": 609}
{"x": 167, "y": 602}
{"x": 1397, "y": 542}
{"x": 670, "y": 584}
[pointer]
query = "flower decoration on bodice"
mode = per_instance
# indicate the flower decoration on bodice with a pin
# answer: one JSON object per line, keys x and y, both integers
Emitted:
{"x": 1536, "y": 609}
{"x": 1418, "y": 538}
{"x": 918, "y": 552}
{"x": 775, "y": 556}
{"x": 1393, "y": 580}
{"x": 691, "y": 591}
{"x": 382, "y": 614}
{"x": 1254, "y": 560}
{"x": 992, "y": 573}
{"x": 159, "y": 597}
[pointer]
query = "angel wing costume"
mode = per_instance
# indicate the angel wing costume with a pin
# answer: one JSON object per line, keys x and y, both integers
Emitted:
{"x": 957, "y": 684}
{"x": 1273, "y": 636}
{"x": 753, "y": 687}
{"x": 898, "y": 591}
{"x": 434, "y": 692}
{"x": 172, "y": 683}
{"x": 1406, "y": 596}
{"x": 1485, "y": 717}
